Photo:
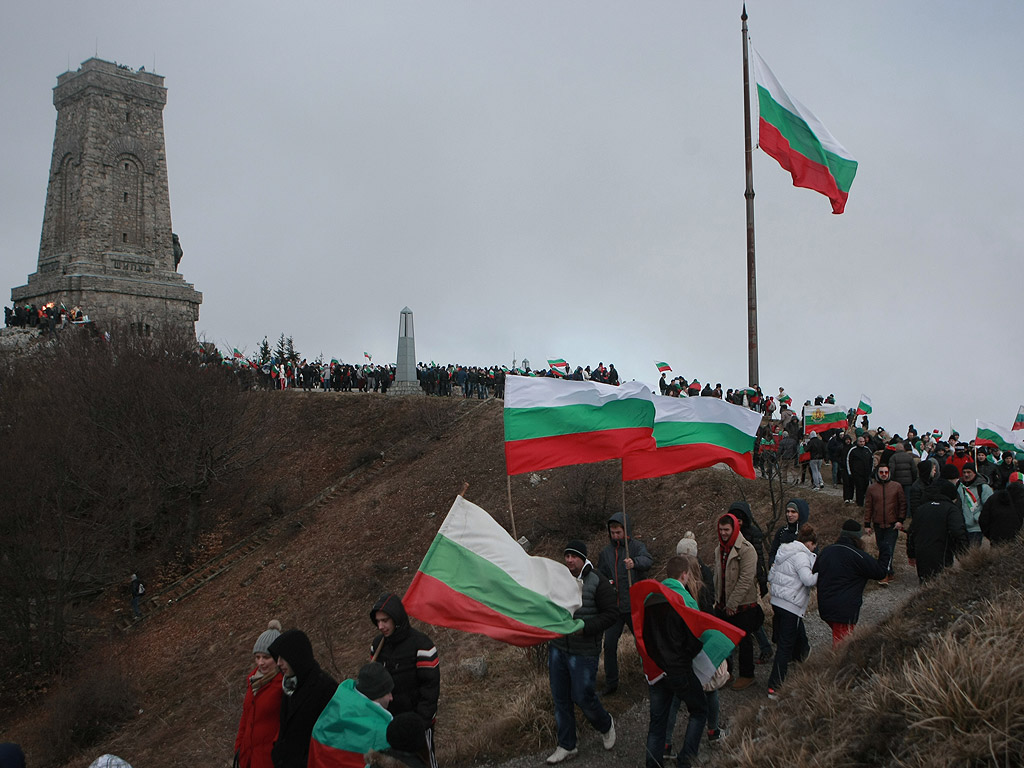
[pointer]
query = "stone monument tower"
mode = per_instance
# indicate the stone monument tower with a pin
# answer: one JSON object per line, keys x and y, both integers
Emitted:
{"x": 106, "y": 244}
{"x": 406, "y": 382}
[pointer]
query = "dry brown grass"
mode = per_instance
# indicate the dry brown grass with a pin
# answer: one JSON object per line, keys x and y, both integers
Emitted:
{"x": 939, "y": 683}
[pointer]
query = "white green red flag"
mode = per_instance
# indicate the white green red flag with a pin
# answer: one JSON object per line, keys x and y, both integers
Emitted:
{"x": 236, "y": 354}
{"x": 821, "y": 418}
{"x": 696, "y": 432}
{"x": 785, "y": 399}
{"x": 348, "y": 727}
{"x": 559, "y": 363}
{"x": 477, "y": 578}
{"x": 663, "y": 367}
{"x": 864, "y": 406}
{"x": 368, "y": 356}
{"x": 555, "y": 422}
{"x": 1018, "y": 423}
{"x": 799, "y": 141}
{"x": 999, "y": 437}
{"x": 717, "y": 637}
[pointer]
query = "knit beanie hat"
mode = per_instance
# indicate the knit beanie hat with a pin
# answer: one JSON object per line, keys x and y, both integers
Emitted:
{"x": 971, "y": 466}
{"x": 1016, "y": 477}
{"x": 946, "y": 490}
{"x": 577, "y": 547}
{"x": 687, "y": 545}
{"x": 374, "y": 681}
{"x": 852, "y": 529}
{"x": 406, "y": 733}
{"x": 109, "y": 761}
{"x": 272, "y": 632}
{"x": 949, "y": 472}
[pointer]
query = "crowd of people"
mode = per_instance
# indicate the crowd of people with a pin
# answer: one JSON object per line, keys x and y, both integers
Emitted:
{"x": 47, "y": 317}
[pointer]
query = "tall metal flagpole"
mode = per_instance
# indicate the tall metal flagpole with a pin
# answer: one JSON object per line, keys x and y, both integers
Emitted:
{"x": 749, "y": 195}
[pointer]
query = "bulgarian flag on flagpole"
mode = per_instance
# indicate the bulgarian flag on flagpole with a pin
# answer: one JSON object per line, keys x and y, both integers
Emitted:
{"x": 821, "y": 418}
{"x": 999, "y": 437}
{"x": 554, "y": 423}
{"x": 799, "y": 141}
{"x": 1018, "y": 423}
{"x": 236, "y": 354}
{"x": 559, "y": 363}
{"x": 477, "y": 578}
{"x": 348, "y": 727}
{"x": 368, "y": 356}
{"x": 693, "y": 433}
{"x": 663, "y": 367}
{"x": 864, "y": 406}
{"x": 717, "y": 637}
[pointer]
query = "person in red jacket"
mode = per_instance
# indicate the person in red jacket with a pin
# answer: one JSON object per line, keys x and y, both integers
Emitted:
{"x": 261, "y": 709}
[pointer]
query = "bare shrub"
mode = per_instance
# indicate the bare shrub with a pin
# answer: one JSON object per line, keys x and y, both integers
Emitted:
{"x": 87, "y": 709}
{"x": 590, "y": 491}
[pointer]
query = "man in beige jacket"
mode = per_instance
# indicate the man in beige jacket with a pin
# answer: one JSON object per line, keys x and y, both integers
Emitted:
{"x": 735, "y": 571}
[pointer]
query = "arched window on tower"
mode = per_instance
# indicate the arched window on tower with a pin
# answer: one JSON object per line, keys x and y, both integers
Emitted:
{"x": 127, "y": 189}
{"x": 67, "y": 212}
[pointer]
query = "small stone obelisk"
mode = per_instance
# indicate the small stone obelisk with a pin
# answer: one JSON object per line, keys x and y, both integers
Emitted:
{"x": 406, "y": 382}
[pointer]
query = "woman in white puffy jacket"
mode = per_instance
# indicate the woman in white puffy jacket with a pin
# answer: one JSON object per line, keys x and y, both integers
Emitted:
{"x": 790, "y": 581}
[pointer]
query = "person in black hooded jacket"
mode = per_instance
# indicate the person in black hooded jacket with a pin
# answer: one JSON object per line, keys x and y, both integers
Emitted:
{"x": 411, "y": 658}
{"x": 797, "y": 513}
{"x": 624, "y": 562}
{"x": 752, "y": 532}
{"x": 307, "y": 690}
{"x": 938, "y": 529}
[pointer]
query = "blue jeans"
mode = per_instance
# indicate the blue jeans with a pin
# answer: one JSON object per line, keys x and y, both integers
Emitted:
{"x": 687, "y": 687}
{"x": 574, "y": 680}
{"x": 886, "y": 539}
{"x": 714, "y": 710}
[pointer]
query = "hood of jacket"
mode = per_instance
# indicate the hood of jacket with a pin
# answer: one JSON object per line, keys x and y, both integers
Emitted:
{"x": 803, "y": 511}
{"x": 391, "y": 604}
{"x": 294, "y": 647}
{"x": 625, "y": 521}
{"x": 741, "y": 511}
{"x": 788, "y": 550}
{"x": 728, "y": 544}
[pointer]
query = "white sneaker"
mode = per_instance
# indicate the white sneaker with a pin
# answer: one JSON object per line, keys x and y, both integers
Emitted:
{"x": 560, "y": 754}
{"x": 608, "y": 738}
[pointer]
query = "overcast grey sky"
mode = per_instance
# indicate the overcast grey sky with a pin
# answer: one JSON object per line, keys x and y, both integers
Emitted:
{"x": 565, "y": 179}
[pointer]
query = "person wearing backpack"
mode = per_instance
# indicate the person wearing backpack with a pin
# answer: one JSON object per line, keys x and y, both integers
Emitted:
{"x": 138, "y": 589}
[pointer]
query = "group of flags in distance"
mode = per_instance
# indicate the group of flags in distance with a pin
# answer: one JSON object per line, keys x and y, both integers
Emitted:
{"x": 551, "y": 423}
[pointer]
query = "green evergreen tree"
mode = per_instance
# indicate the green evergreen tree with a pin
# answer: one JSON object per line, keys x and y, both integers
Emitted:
{"x": 291, "y": 353}
{"x": 264, "y": 352}
{"x": 281, "y": 350}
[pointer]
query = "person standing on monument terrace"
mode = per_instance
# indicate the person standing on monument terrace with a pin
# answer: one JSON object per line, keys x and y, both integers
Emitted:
{"x": 411, "y": 659}
{"x": 624, "y": 561}
{"x": 572, "y": 659}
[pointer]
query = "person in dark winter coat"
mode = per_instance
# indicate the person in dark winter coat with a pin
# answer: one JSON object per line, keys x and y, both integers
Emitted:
{"x": 1002, "y": 515}
{"x": 843, "y": 569}
{"x": 885, "y": 509}
{"x": 623, "y": 562}
{"x": 572, "y": 659}
{"x": 411, "y": 658}
{"x": 307, "y": 690}
{"x": 408, "y": 745}
{"x": 903, "y": 467}
{"x": 797, "y": 513}
{"x": 938, "y": 529}
{"x": 261, "y": 709}
{"x": 859, "y": 462}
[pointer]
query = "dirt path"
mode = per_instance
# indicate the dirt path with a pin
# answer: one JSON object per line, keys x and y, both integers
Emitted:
{"x": 631, "y": 727}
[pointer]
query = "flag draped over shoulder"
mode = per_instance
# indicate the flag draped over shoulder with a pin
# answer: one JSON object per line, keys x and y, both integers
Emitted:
{"x": 350, "y": 726}
{"x": 554, "y": 423}
{"x": 999, "y": 437}
{"x": 821, "y": 418}
{"x": 864, "y": 407}
{"x": 477, "y": 578}
{"x": 800, "y": 142}
{"x": 717, "y": 637}
{"x": 693, "y": 433}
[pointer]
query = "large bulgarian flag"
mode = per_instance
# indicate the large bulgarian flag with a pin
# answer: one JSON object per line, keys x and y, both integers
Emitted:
{"x": 821, "y": 418}
{"x": 717, "y": 637}
{"x": 554, "y": 423}
{"x": 1018, "y": 423}
{"x": 349, "y": 727}
{"x": 693, "y": 433}
{"x": 477, "y": 578}
{"x": 999, "y": 437}
{"x": 800, "y": 142}
{"x": 864, "y": 406}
